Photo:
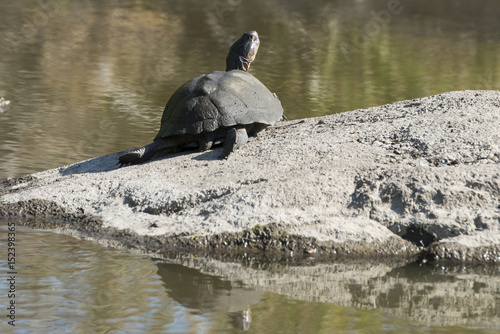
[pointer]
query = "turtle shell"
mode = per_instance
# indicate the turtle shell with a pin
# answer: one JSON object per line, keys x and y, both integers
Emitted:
{"x": 219, "y": 99}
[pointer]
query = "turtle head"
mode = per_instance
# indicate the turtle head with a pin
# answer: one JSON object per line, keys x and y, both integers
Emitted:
{"x": 243, "y": 52}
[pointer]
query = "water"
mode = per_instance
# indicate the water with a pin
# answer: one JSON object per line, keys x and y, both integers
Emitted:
{"x": 88, "y": 78}
{"x": 64, "y": 284}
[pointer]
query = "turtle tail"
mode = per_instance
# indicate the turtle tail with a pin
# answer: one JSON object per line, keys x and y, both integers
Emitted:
{"x": 141, "y": 154}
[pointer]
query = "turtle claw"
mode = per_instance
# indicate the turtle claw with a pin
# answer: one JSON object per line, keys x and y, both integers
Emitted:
{"x": 121, "y": 164}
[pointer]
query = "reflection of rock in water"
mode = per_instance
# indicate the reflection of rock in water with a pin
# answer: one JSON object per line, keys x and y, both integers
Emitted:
{"x": 431, "y": 295}
{"x": 241, "y": 320}
{"x": 209, "y": 293}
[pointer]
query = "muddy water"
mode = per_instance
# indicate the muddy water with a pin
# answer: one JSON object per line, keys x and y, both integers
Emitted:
{"x": 64, "y": 284}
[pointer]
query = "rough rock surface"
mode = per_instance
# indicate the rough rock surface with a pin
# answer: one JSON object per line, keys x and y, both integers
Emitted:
{"x": 411, "y": 178}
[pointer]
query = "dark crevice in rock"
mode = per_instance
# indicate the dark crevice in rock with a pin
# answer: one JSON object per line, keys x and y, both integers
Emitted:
{"x": 438, "y": 198}
{"x": 418, "y": 236}
{"x": 480, "y": 225}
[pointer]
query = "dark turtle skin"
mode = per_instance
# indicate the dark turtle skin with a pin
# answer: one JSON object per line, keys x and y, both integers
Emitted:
{"x": 220, "y": 107}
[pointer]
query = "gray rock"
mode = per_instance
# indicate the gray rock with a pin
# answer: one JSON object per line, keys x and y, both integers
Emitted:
{"x": 411, "y": 178}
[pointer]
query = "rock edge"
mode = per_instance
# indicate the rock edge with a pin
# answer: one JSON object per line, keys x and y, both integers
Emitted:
{"x": 417, "y": 178}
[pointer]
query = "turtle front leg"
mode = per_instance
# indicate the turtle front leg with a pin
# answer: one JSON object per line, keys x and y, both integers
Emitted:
{"x": 234, "y": 139}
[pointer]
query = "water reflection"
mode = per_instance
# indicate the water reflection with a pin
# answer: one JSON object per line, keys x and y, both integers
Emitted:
{"x": 207, "y": 293}
{"x": 75, "y": 285}
{"x": 88, "y": 78}
{"x": 422, "y": 295}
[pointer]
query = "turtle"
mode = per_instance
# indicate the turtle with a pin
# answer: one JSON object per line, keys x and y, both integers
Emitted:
{"x": 228, "y": 107}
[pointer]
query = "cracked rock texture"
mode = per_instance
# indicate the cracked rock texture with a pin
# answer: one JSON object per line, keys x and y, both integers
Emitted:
{"x": 421, "y": 174}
